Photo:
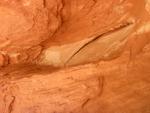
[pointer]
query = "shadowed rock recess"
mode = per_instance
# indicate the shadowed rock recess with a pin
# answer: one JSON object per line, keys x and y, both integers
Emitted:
{"x": 74, "y": 56}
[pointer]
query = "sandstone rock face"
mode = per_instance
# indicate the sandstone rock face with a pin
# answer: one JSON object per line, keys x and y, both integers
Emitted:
{"x": 25, "y": 24}
{"x": 74, "y": 56}
{"x": 52, "y": 29}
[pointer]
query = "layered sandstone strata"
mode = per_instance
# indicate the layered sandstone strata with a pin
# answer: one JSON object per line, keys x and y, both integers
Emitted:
{"x": 61, "y": 32}
{"x": 105, "y": 41}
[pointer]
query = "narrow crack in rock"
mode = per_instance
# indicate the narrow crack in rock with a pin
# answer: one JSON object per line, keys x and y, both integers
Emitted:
{"x": 101, "y": 80}
{"x": 97, "y": 37}
{"x": 101, "y": 85}
{"x": 85, "y": 103}
{"x": 10, "y": 108}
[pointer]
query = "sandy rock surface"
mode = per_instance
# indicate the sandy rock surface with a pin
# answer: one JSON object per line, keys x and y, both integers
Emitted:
{"x": 74, "y": 56}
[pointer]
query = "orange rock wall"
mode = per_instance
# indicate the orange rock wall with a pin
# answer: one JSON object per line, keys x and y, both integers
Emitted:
{"x": 74, "y": 56}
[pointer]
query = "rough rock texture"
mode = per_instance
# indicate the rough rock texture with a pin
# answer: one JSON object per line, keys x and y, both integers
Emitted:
{"x": 74, "y": 56}
{"x": 51, "y": 29}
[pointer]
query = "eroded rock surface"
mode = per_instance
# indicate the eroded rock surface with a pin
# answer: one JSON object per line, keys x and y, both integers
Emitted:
{"x": 74, "y": 56}
{"x": 52, "y": 29}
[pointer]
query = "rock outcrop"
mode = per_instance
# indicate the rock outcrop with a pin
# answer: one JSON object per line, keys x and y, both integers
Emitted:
{"x": 74, "y": 56}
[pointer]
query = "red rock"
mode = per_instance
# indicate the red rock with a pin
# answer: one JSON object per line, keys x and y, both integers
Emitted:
{"x": 74, "y": 56}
